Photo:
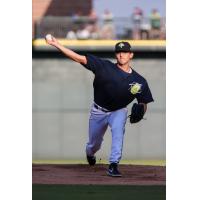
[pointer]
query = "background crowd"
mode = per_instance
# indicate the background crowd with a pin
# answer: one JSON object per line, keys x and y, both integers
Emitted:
{"x": 138, "y": 26}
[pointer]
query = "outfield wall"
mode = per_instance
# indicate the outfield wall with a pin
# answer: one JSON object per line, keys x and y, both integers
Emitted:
{"x": 62, "y": 95}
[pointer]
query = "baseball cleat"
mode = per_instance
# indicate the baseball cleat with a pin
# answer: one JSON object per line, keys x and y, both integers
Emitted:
{"x": 113, "y": 171}
{"x": 91, "y": 160}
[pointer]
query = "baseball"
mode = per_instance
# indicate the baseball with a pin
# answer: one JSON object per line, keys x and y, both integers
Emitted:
{"x": 48, "y": 37}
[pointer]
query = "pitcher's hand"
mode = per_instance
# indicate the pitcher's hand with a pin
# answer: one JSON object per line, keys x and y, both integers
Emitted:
{"x": 51, "y": 40}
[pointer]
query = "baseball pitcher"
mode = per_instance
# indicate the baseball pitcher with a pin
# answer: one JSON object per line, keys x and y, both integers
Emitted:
{"x": 115, "y": 86}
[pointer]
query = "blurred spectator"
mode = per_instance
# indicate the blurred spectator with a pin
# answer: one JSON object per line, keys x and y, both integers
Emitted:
{"x": 107, "y": 31}
{"x": 163, "y": 29}
{"x": 92, "y": 16}
{"x": 83, "y": 34}
{"x": 71, "y": 35}
{"x": 107, "y": 17}
{"x": 137, "y": 18}
{"x": 145, "y": 31}
{"x": 94, "y": 32}
{"x": 92, "y": 26}
{"x": 76, "y": 16}
{"x": 155, "y": 20}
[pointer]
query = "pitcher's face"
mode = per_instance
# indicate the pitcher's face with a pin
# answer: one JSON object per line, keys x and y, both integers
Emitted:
{"x": 124, "y": 57}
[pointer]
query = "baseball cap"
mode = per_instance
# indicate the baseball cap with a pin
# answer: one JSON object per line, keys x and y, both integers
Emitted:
{"x": 123, "y": 47}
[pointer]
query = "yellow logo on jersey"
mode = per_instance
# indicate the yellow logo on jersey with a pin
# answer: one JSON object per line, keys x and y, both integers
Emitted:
{"x": 135, "y": 88}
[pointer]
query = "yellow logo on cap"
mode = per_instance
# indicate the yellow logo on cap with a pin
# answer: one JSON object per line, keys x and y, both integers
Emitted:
{"x": 135, "y": 88}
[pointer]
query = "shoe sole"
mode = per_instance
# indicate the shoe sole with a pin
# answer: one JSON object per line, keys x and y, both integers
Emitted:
{"x": 114, "y": 175}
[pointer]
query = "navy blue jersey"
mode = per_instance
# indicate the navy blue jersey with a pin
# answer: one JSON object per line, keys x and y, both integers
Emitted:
{"x": 114, "y": 88}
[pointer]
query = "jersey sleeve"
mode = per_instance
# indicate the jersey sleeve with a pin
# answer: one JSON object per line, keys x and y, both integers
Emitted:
{"x": 93, "y": 63}
{"x": 145, "y": 96}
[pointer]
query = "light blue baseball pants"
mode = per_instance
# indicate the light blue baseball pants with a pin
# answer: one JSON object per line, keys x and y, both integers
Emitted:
{"x": 98, "y": 124}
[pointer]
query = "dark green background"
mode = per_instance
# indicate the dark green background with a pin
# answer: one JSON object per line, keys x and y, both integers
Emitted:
{"x": 98, "y": 192}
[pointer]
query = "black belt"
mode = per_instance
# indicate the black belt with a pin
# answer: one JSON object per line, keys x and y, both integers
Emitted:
{"x": 100, "y": 108}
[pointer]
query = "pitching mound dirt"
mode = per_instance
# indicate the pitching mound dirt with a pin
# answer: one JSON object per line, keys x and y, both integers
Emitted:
{"x": 96, "y": 175}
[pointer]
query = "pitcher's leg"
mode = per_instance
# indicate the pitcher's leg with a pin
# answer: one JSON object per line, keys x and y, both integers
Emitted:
{"x": 98, "y": 124}
{"x": 117, "y": 121}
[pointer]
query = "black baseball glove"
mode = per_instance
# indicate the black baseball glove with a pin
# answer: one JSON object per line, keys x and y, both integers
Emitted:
{"x": 137, "y": 113}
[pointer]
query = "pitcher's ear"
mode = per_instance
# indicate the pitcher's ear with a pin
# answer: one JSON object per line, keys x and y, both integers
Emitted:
{"x": 132, "y": 55}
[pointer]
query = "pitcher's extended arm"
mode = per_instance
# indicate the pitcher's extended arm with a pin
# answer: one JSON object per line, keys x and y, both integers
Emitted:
{"x": 68, "y": 52}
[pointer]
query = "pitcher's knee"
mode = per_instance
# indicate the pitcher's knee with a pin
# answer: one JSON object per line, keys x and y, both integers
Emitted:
{"x": 93, "y": 148}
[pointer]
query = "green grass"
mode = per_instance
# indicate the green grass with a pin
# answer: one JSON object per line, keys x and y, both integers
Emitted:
{"x": 98, "y": 192}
